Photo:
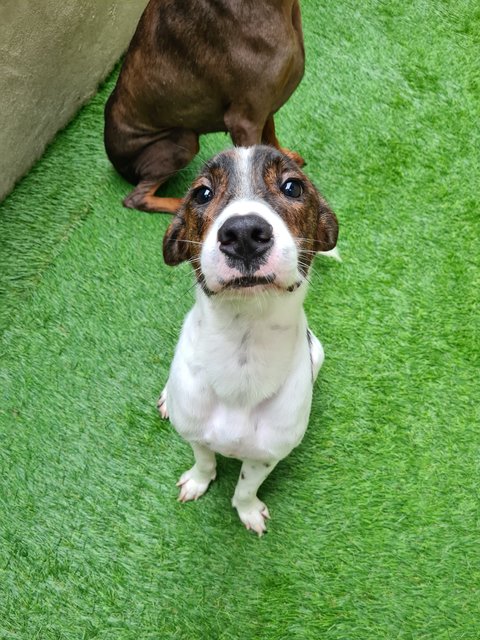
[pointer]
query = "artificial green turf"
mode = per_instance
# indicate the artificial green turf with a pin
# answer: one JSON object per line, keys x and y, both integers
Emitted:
{"x": 375, "y": 529}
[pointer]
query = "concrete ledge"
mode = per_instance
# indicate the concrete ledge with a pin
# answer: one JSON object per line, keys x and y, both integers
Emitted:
{"x": 52, "y": 57}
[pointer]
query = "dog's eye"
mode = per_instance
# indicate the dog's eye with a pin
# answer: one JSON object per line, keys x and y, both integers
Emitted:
{"x": 292, "y": 188}
{"x": 203, "y": 195}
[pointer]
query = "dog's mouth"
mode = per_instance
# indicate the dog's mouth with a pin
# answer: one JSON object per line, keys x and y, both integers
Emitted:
{"x": 248, "y": 281}
{"x": 250, "y": 284}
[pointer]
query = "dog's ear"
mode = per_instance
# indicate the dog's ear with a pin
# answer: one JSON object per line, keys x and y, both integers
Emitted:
{"x": 326, "y": 232}
{"x": 175, "y": 244}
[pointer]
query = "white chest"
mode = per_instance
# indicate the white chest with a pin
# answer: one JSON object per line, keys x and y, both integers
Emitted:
{"x": 245, "y": 363}
{"x": 242, "y": 385}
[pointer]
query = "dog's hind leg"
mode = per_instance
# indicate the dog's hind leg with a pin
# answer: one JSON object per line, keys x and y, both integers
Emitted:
{"x": 245, "y": 131}
{"x": 269, "y": 137}
{"x": 143, "y": 198}
{"x": 317, "y": 354}
{"x": 194, "y": 482}
{"x": 252, "y": 511}
{"x": 162, "y": 404}
{"x": 155, "y": 163}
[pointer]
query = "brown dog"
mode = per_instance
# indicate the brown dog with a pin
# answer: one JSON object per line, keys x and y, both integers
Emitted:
{"x": 194, "y": 67}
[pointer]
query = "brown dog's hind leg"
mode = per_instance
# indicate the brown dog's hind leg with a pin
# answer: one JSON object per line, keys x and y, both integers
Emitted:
{"x": 269, "y": 137}
{"x": 156, "y": 163}
{"x": 143, "y": 198}
{"x": 245, "y": 130}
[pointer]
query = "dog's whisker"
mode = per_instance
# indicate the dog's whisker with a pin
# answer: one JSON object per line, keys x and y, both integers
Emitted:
{"x": 189, "y": 241}
{"x": 314, "y": 240}
{"x": 307, "y": 251}
{"x": 304, "y": 264}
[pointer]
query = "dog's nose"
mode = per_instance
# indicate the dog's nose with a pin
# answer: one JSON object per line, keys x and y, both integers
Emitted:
{"x": 245, "y": 237}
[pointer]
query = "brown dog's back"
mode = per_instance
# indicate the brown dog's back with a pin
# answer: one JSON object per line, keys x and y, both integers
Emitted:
{"x": 197, "y": 66}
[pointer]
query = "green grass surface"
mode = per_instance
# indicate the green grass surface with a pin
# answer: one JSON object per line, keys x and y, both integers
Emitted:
{"x": 375, "y": 529}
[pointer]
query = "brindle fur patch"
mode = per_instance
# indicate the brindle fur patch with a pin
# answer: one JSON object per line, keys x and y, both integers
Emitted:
{"x": 190, "y": 226}
{"x": 309, "y": 218}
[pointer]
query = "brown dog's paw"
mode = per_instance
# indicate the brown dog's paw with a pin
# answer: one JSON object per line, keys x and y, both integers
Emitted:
{"x": 132, "y": 201}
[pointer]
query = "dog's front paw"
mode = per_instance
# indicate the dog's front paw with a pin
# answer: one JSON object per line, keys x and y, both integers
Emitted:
{"x": 193, "y": 484}
{"x": 162, "y": 405}
{"x": 253, "y": 514}
{"x": 132, "y": 201}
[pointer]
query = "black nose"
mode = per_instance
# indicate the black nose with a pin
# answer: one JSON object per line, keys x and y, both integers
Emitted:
{"x": 247, "y": 238}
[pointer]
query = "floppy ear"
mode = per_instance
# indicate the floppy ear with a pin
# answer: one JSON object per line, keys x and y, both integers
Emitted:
{"x": 175, "y": 246}
{"x": 326, "y": 232}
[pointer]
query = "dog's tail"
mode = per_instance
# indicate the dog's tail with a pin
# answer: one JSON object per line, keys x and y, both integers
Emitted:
{"x": 333, "y": 253}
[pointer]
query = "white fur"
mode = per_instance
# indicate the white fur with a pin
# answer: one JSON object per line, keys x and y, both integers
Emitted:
{"x": 241, "y": 379}
{"x": 333, "y": 253}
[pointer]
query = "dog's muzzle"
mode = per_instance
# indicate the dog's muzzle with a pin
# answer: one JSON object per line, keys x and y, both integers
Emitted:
{"x": 246, "y": 240}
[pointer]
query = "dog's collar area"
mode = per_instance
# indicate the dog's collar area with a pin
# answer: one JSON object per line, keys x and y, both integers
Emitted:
{"x": 294, "y": 286}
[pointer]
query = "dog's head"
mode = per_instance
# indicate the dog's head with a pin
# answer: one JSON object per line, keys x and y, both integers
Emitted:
{"x": 251, "y": 221}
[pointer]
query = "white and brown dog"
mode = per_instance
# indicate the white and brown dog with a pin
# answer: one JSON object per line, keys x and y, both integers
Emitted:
{"x": 241, "y": 380}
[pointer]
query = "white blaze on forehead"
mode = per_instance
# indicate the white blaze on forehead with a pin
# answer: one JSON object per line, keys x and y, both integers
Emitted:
{"x": 243, "y": 172}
